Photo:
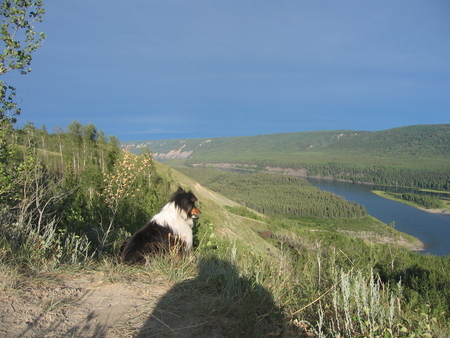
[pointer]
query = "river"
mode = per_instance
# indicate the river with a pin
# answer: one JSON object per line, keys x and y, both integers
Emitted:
{"x": 432, "y": 229}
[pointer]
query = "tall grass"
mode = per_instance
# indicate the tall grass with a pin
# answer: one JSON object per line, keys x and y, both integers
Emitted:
{"x": 42, "y": 249}
{"x": 283, "y": 296}
{"x": 287, "y": 294}
{"x": 360, "y": 306}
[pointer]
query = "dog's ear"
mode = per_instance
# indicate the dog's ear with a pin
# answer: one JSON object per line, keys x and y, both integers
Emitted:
{"x": 180, "y": 190}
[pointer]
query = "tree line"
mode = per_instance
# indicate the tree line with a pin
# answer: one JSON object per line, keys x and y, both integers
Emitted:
{"x": 426, "y": 201}
{"x": 276, "y": 194}
{"x": 436, "y": 179}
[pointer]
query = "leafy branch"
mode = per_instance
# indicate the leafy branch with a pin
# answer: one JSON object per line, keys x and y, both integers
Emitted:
{"x": 19, "y": 41}
{"x": 120, "y": 184}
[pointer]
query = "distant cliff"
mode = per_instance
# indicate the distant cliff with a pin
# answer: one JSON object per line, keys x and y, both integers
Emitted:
{"x": 164, "y": 150}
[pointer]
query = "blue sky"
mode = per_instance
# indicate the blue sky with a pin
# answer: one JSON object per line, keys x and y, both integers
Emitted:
{"x": 143, "y": 69}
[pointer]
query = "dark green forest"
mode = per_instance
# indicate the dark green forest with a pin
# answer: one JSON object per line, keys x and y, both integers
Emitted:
{"x": 276, "y": 194}
{"x": 428, "y": 202}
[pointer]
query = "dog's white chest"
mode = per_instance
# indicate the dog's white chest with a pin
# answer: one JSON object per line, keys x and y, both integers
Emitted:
{"x": 177, "y": 220}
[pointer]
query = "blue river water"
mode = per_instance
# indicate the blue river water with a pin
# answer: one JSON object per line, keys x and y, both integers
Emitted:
{"x": 432, "y": 229}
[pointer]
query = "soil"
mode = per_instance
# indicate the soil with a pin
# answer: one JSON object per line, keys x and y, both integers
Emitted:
{"x": 90, "y": 304}
{"x": 78, "y": 306}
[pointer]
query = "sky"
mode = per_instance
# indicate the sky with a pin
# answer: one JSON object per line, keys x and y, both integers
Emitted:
{"x": 149, "y": 70}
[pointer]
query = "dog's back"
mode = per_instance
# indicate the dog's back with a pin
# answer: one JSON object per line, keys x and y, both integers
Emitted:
{"x": 150, "y": 239}
{"x": 170, "y": 228}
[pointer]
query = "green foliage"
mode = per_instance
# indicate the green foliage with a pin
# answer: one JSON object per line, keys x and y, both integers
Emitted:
{"x": 19, "y": 16}
{"x": 6, "y": 153}
{"x": 128, "y": 179}
{"x": 43, "y": 249}
{"x": 19, "y": 42}
{"x": 426, "y": 279}
{"x": 76, "y": 189}
{"x": 356, "y": 289}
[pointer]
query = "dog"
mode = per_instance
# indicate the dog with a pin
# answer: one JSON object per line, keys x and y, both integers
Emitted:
{"x": 170, "y": 228}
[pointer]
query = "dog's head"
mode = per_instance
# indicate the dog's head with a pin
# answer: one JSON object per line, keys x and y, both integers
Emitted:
{"x": 186, "y": 202}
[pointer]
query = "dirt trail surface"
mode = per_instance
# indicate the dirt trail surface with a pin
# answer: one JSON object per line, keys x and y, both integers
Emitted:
{"x": 78, "y": 306}
{"x": 91, "y": 304}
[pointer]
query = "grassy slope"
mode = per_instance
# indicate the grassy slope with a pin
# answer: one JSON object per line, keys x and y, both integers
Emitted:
{"x": 174, "y": 295}
{"x": 215, "y": 218}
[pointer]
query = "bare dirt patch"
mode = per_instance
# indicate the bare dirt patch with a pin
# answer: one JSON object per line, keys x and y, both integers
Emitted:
{"x": 78, "y": 306}
{"x": 374, "y": 237}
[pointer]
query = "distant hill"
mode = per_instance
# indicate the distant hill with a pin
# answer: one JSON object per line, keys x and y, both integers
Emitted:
{"x": 281, "y": 142}
{"x": 411, "y": 156}
{"x": 423, "y": 140}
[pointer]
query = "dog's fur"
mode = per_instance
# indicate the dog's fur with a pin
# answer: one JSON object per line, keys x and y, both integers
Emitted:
{"x": 170, "y": 228}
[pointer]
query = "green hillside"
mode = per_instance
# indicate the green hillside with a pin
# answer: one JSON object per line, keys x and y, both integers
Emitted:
{"x": 414, "y": 156}
{"x": 421, "y": 140}
{"x": 226, "y": 146}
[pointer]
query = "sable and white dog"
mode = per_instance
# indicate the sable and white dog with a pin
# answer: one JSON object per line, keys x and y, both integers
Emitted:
{"x": 170, "y": 228}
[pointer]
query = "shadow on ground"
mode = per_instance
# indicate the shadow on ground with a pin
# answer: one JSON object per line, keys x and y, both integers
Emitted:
{"x": 218, "y": 303}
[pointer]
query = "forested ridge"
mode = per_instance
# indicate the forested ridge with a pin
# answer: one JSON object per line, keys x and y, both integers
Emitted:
{"x": 283, "y": 142}
{"x": 413, "y": 156}
{"x": 422, "y": 140}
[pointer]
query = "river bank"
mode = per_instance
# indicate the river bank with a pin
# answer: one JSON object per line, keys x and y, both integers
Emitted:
{"x": 415, "y": 205}
{"x": 431, "y": 228}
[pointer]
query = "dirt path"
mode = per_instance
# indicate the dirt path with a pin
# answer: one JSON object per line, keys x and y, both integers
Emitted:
{"x": 78, "y": 306}
{"x": 215, "y": 303}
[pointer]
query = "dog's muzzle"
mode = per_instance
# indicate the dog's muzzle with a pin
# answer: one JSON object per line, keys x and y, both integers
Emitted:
{"x": 195, "y": 213}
